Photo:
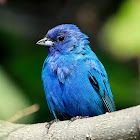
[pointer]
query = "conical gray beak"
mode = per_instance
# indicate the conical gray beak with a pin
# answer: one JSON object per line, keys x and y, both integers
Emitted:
{"x": 45, "y": 42}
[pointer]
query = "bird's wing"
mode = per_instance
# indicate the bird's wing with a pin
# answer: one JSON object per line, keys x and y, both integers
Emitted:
{"x": 99, "y": 80}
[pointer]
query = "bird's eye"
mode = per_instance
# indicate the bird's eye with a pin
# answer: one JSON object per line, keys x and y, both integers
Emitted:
{"x": 61, "y": 38}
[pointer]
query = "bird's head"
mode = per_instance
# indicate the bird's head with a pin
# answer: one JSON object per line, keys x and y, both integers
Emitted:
{"x": 63, "y": 38}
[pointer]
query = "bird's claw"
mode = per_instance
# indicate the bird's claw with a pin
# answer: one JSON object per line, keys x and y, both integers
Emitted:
{"x": 48, "y": 125}
{"x": 78, "y": 117}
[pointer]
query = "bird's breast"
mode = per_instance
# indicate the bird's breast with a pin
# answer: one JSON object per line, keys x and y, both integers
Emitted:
{"x": 62, "y": 66}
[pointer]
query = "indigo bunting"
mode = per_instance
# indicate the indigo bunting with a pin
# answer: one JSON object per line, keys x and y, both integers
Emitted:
{"x": 75, "y": 81}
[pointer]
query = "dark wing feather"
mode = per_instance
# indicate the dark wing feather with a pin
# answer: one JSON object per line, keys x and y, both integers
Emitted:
{"x": 99, "y": 81}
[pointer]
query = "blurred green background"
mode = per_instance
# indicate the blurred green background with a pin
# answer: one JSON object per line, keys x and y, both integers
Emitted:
{"x": 114, "y": 31}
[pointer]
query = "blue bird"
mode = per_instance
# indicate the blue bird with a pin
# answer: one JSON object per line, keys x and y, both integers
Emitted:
{"x": 75, "y": 81}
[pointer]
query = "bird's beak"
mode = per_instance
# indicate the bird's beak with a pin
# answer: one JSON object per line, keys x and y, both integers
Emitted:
{"x": 45, "y": 42}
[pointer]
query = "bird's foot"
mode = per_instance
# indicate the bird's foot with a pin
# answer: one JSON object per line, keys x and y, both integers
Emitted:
{"x": 78, "y": 117}
{"x": 48, "y": 125}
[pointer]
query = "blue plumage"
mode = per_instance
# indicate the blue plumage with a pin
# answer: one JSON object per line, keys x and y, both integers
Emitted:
{"x": 75, "y": 81}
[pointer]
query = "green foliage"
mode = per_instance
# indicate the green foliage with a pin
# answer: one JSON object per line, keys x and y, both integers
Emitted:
{"x": 121, "y": 34}
{"x": 12, "y": 99}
